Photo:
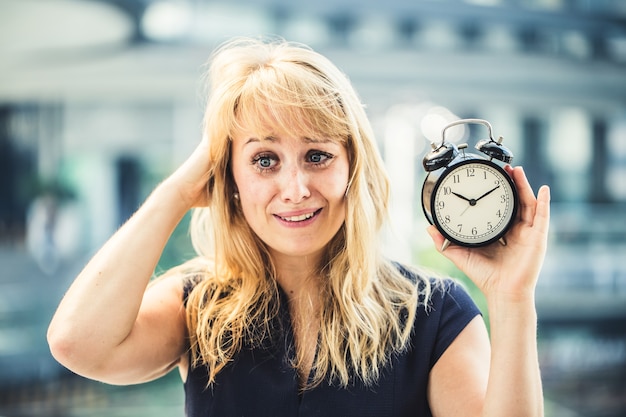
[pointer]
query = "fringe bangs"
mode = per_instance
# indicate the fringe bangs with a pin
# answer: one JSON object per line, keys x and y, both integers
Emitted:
{"x": 289, "y": 98}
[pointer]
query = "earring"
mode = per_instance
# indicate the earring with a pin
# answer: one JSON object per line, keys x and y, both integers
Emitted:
{"x": 236, "y": 196}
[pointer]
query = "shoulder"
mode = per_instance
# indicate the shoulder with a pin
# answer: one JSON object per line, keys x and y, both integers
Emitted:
{"x": 425, "y": 278}
{"x": 451, "y": 295}
{"x": 188, "y": 284}
{"x": 445, "y": 309}
{"x": 186, "y": 277}
{"x": 434, "y": 290}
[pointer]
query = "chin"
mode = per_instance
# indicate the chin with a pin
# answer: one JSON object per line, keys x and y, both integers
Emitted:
{"x": 295, "y": 251}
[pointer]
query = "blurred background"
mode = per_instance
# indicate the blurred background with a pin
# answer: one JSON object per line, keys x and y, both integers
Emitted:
{"x": 99, "y": 100}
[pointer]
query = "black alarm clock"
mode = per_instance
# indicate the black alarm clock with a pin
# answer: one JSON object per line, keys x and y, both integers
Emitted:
{"x": 469, "y": 197}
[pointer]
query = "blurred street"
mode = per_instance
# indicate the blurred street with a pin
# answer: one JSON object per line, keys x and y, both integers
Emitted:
{"x": 28, "y": 297}
{"x": 32, "y": 383}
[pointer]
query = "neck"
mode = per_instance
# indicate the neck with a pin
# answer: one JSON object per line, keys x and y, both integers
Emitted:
{"x": 297, "y": 275}
{"x": 301, "y": 283}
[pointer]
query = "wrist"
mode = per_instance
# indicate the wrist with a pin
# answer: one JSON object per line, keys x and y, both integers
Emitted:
{"x": 513, "y": 299}
{"x": 512, "y": 311}
{"x": 511, "y": 290}
{"x": 167, "y": 199}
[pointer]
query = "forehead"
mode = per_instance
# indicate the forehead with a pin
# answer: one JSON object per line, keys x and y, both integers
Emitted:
{"x": 273, "y": 125}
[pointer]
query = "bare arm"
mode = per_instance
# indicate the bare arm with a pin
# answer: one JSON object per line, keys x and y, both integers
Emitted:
{"x": 503, "y": 379}
{"x": 108, "y": 327}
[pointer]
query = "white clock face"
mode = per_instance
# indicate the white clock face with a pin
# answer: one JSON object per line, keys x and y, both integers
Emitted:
{"x": 474, "y": 203}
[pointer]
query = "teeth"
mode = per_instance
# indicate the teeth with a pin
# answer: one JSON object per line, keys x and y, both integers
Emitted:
{"x": 298, "y": 218}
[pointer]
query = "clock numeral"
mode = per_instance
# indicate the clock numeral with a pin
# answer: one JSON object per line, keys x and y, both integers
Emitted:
{"x": 470, "y": 172}
{"x": 499, "y": 213}
{"x": 503, "y": 198}
{"x": 456, "y": 178}
{"x": 489, "y": 226}
{"x": 460, "y": 227}
{"x": 447, "y": 218}
{"x": 447, "y": 190}
{"x": 474, "y": 231}
{"x": 440, "y": 205}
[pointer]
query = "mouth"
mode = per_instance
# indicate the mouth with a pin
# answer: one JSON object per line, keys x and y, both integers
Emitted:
{"x": 299, "y": 218}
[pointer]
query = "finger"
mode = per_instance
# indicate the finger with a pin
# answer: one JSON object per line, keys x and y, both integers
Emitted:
{"x": 525, "y": 194}
{"x": 435, "y": 236}
{"x": 456, "y": 254}
{"x": 542, "y": 212}
{"x": 438, "y": 240}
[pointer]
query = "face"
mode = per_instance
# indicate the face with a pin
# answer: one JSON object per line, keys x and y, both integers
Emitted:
{"x": 291, "y": 190}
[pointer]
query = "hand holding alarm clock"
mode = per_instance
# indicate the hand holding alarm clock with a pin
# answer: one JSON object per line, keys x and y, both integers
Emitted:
{"x": 469, "y": 198}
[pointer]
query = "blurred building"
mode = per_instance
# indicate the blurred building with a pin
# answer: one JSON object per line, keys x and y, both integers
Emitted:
{"x": 99, "y": 100}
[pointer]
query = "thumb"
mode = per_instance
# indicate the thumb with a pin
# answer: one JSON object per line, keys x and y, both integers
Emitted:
{"x": 436, "y": 237}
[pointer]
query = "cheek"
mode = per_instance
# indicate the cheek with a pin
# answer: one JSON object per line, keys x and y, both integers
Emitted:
{"x": 253, "y": 203}
{"x": 339, "y": 182}
{"x": 336, "y": 190}
{"x": 252, "y": 192}
{"x": 243, "y": 177}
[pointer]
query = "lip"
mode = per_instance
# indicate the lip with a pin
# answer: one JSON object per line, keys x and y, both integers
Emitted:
{"x": 298, "y": 218}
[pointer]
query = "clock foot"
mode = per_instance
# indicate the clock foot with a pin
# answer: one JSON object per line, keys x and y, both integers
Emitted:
{"x": 502, "y": 241}
{"x": 445, "y": 245}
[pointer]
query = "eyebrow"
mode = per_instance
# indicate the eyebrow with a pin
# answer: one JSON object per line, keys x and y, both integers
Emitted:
{"x": 255, "y": 139}
{"x": 270, "y": 138}
{"x": 313, "y": 140}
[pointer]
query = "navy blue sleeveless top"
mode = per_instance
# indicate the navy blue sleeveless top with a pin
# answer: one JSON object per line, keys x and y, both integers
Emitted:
{"x": 262, "y": 382}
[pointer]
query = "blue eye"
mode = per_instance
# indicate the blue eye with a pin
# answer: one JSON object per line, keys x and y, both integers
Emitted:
{"x": 318, "y": 157}
{"x": 264, "y": 162}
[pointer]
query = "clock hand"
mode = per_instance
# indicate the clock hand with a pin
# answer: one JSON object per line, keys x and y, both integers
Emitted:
{"x": 463, "y": 197}
{"x": 465, "y": 209}
{"x": 471, "y": 202}
{"x": 488, "y": 192}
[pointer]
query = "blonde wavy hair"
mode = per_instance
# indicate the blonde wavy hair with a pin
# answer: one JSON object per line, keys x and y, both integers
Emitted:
{"x": 368, "y": 306}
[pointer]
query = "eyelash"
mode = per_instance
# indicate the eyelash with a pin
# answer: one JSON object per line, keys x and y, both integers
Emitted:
{"x": 325, "y": 160}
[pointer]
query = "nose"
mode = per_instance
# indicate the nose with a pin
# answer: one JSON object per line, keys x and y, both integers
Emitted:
{"x": 294, "y": 185}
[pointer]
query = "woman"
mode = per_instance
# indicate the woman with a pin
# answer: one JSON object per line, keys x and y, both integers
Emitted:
{"x": 289, "y": 307}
